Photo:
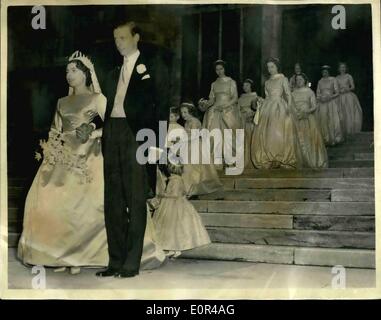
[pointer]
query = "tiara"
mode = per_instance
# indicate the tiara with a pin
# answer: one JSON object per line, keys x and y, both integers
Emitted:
{"x": 78, "y": 55}
{"x": 187, "y": 104}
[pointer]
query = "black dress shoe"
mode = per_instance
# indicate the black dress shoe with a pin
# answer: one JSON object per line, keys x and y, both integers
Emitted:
{"x": 106, "y": 273}
{"x": 126, "y": 274}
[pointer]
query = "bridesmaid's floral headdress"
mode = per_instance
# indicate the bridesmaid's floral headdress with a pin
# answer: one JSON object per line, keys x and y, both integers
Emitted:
{"x": 78, "y": 55}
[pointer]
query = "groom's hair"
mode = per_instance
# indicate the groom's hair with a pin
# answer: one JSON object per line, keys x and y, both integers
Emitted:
{"x": 134, "y": 28}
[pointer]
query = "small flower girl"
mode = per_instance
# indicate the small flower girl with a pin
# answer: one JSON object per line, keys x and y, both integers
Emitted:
{"x": 178, "y": 225}
{"x": 176, "y": 131}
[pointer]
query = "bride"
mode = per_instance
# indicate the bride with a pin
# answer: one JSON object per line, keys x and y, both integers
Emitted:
{"x": 64, "y": 217}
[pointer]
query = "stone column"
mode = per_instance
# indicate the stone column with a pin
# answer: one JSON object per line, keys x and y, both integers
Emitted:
{"x": 176, "y": 65}
{"x": 271, "y": 32}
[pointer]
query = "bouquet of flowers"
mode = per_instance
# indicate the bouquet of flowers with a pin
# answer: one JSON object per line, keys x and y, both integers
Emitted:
{"x": 203, "y": 104}
{"x": 55, "y": 152}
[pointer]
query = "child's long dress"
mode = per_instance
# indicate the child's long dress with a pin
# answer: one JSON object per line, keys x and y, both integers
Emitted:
{"x": 245, "y": 103}
{"x": 178, "y": 225}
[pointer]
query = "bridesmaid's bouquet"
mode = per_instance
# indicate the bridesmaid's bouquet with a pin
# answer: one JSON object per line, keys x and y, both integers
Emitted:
{"x": 56, "y": 152}
{"x": 203, "y": 104}
{"x": 257, "y": 113}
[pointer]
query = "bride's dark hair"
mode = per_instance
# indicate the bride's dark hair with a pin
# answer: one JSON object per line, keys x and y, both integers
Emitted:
{"x": 79, "y": 64}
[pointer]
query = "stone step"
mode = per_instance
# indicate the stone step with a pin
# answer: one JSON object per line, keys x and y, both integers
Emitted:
{"x": 353, "y": 156}
{"x": 350, "y": 149}
{"x": 288, "y": 237}
{"x": 342, "y": 195}
{"x": 364, "y": 156}
{"x": 351, "y": 164}
{"x": 351, "y": 258}
{"x": 297, "y": 222}
{"x": 359, "y": 137}
{"x": 334, "y": 223}
{"x": 299, "y": 183}
{"x": 286, "y": 207}
{"x": 294, "y": 220}
{"x": 341, "y": 157}
{"x": 13, "y": 238}
{"x": 309, "y": 173}
{"x": 269, "y": 195}
{"x": 265, "y": 221}
{"x": 362, "y": 134}
{"x": 336, "y": 195}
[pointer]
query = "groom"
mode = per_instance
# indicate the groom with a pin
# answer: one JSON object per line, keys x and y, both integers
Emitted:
{"x": 128, "y": 184}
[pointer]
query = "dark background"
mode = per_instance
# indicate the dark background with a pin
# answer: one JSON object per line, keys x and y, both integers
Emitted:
{"x": 188, "y": 39}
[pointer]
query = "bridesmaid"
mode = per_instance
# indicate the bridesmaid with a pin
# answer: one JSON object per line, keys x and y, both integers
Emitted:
{"x": 198, "y": 178}
{"x": 221, "y": 110}
{"x": 247, "y": 104}
{"x": 274, "y": 143}
{"x": 297, "y": 71}
{"x": 349, "y": 103}
{"x": 310, "y": 139}
{"x": 328, "y": 108}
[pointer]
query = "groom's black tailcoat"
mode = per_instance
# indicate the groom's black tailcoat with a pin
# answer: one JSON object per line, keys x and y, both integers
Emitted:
{"x": 128, "y": 184}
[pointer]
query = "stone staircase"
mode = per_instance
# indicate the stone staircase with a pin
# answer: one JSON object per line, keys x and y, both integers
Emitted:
{"x": 304, "y": 217}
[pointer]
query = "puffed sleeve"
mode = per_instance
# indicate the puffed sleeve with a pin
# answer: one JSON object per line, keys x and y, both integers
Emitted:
{"x": 351, "y": 82}
{"x": 253, "y": 103}
{"x": 292, "y": 82}
{"x": 266, "y": 91}
{"x": 195, "y": 124}
{"x": 57, "y": 120}
{"x": 287, "y": 91}
{"x": 233, "y": 90}
{"x": 101, "y": 103}
{"x": 318, "y": 90}
{"x": 335, "y": 85}
{"x": 211, "y": 93}
{"x": 312, "y": 101}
